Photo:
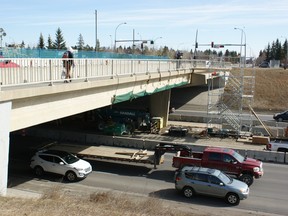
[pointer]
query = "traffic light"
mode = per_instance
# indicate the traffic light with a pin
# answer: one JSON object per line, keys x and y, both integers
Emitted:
{"x": 151, "y": 42}
{"x": 196, "y": 45}
{"x": 221, "y": 46}
{"x": 212, "y": 44}
{"x": 142, "y": 46}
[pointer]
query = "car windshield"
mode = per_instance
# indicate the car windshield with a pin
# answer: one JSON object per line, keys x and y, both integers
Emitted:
{"x": 238, "y": 157}
{"x": 69, "y": 158}
{"x": 225, "y": 178}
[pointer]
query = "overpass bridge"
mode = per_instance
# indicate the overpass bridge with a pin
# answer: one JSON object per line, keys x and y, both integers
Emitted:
{"x": 32, "y": 91}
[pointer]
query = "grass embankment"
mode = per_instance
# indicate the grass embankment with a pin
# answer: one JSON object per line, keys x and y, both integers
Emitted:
{"x": 58, "y": 203}
{"x": 271, "y": 88}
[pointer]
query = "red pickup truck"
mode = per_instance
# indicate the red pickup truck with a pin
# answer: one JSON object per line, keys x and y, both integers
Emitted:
{"x": 226, "y": 160}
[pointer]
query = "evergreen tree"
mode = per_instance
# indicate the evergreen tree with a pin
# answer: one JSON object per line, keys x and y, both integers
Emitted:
{"x": 268, "y": 53}
{"x": 285, "y": 51}
{"x": 22, "y": 45}
{"x": 278, "y": 51}
{"x": 59, "y": 42}
{"x": 50, "y": 43}
{"x": 80, "y": 44}
{"x": 41, "y": 44}
{"x": 165, "y": 51}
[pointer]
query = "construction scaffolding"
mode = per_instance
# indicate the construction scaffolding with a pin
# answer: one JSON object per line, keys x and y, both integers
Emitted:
{"x": 229, "y": 98}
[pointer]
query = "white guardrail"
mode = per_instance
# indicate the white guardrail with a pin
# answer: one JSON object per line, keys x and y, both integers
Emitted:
{"x": 25, "y": 71}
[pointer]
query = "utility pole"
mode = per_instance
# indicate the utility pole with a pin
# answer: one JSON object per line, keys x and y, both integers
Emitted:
{"x": 96, "y": 31}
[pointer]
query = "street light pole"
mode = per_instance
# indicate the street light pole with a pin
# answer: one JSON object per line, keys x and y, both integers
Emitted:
{"x": 96, "y": 34}
{"x": 115, "y": 34}
{"x": 155, "y": 40}
{"x": 242, "y": 32}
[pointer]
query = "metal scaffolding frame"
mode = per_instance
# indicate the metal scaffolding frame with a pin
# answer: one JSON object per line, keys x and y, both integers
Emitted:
{"x": 229, "y": 98}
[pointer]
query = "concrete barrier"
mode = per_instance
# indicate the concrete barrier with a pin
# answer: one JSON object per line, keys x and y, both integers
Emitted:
{"x": 130, "y": 142}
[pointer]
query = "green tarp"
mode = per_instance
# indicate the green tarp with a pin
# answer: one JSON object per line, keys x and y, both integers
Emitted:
{"x": 133, "y": 95}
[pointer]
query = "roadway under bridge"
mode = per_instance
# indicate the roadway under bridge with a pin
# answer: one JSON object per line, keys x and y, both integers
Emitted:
{"x": 34, "y": 92}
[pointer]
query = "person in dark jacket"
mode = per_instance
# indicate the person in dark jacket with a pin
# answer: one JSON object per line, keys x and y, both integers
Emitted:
{"x": 68, "y": 62}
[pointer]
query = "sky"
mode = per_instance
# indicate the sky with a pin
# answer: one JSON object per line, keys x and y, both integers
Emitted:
{"x": 171, "y": 23}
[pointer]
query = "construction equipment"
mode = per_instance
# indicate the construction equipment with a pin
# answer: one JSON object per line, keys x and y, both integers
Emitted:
{"x": 122, "y": 121}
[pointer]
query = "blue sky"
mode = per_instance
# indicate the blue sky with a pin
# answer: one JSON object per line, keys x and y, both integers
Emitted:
{"x": 262, "y": 21}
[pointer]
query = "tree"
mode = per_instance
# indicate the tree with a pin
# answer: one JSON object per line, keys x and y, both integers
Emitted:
{"x": 278, "y": 51}
{"x": 80, "y": 44}
{"x": 285, "y": 51}
{"x": 41, "y": 44}
{"x": 165, "y": 51}
{"x": 22, "y": 45}
{"x": 268, "y": 53}
{"x": 59, "y": 42}
{"x": 50, "y": 43}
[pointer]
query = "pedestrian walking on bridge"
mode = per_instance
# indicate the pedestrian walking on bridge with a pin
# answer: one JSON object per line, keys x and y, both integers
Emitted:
{"x": 68, "y": 62}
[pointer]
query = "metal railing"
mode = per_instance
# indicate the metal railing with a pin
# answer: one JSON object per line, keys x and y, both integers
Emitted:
{"x": 27, "y": 71}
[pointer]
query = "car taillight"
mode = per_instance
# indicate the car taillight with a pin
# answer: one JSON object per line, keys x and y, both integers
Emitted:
{"x": 177, "y": 178}
{"x": 268, "y": 146}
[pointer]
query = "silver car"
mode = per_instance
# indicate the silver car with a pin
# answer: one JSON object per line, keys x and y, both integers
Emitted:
{"x": 211, "y": 182}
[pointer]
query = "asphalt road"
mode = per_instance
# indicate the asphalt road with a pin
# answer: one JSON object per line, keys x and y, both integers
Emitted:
{"x": 268, "y": 194}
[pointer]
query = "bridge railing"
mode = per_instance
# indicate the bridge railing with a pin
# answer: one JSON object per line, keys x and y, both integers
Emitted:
{"x": 21, "y": 71}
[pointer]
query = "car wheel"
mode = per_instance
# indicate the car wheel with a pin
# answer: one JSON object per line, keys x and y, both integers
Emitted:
{"x": 248, "y": 179}
{"x": 38, "y": 170}
{"x": 71, "y": 176}
{"x": 232, "y": 199}
{"x": 188, "y": 192}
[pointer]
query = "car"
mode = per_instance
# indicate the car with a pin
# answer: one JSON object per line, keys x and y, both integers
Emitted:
{"x": 279, "y": 117}
{"x": 264, "y": 65}
{"x": 60, "y": 162}
{"x": 191, "y": 180}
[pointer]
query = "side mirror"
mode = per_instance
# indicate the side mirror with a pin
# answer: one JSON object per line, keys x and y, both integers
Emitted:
{"x": 61, "y": 163}
{"x": 221, "y": 184}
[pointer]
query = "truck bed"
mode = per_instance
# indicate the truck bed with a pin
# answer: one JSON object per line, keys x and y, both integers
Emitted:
{"x": 180, "y": 161}
{"x": 108, "y": 153}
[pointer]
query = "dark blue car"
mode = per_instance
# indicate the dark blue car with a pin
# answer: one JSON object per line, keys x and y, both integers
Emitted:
{"x": 279, "y": 117}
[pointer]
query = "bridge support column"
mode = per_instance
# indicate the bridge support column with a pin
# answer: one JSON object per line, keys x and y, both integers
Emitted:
{"x": 5, "y": 113}
{"x": 159, "y": 105}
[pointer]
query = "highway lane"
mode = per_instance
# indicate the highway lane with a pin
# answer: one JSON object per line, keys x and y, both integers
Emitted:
{"x": 268, "y": 194}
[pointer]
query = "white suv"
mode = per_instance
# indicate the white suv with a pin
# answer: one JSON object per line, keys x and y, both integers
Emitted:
{"x": 60, "y": 162}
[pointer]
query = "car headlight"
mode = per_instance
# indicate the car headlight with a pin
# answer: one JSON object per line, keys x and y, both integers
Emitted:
{"x": 79, "y": 169}
{"x": 256, "y": 169}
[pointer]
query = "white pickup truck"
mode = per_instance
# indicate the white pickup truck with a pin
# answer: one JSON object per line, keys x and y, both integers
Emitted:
{"x": 278, "y": 145}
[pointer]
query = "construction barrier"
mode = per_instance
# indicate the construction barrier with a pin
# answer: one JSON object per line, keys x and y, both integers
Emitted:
{"x": 95, "y": 139}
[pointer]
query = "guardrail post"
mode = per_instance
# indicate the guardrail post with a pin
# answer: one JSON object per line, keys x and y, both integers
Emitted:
{"x": 86, "y": 70}
{"x": 112, "y": 68}
{"x": 131, "y": 67}
{"x": 50, "y": 73}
